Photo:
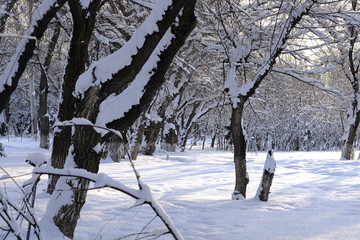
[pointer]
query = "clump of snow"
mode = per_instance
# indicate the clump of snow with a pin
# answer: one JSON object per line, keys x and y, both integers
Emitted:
{"x": 270, "y": 163}
{"x": 36, "y": 159}
{"x": 236, "y": 195}
{"x": 101, "y": 180}
{"x": 98, "y": 148}
{"x": 153, "y": 116}
{"x": 167, "y": 127}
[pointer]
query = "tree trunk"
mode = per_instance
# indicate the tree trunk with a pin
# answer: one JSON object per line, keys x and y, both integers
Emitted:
{"x": 151, "y": 134}
{"x": 183, "y": 140}
{"x": 241, "y": 177}
{"x": 77, "y": 58}
{"x": 138, "y": 140}
{"x": 212, "y": 145}
{"x": 33, "y": 112}
{"x": 43, "y": 108}
{"x": 348, "y": 151}
{"x": 116, "y": 148}
{"x": 170, "y": 139}
{"x": 266, "y": 180}
{"x": 85, "y": 139}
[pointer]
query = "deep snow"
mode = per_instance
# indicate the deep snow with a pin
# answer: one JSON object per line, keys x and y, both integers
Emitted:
{"x": 314, "y": 195}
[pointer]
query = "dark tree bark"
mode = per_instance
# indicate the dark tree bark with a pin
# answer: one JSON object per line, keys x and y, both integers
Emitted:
{"x": 25, "y": 54}
{"x": 44, "y": 89}
{"x": 138, "y": 139}
{"x": 348, "y": 151}
{"x": 151, "y": 134}
{"x": 85, "y": 138}
{"x": 241, "y": 179}
{"x": 239, "y": 140}
{"x": 268, "y": 175}
{"x": 170, "y": 138}
{"x": 84, "y": 22}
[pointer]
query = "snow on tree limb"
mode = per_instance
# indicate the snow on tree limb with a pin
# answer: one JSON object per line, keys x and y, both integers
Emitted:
{"x": 248, "y": 89}
{"x": 133, "y": 93}
{"x": 16, "y": 66}
{"x": 146, "y": 4}
{"x": 143, "y": 196}
{"x": 311, "y": 81}
{"x": 104, "y": 69}
{"x": 295, "y": 16}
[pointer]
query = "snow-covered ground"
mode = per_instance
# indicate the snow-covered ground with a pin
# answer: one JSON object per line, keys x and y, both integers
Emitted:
{"x": 314, "y": 196}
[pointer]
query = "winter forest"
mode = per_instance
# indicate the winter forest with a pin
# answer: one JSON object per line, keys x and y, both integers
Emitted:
{"x": 191, "y": 119}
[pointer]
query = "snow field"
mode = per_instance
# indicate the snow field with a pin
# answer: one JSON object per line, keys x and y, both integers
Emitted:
{"x": 314, "y": 196}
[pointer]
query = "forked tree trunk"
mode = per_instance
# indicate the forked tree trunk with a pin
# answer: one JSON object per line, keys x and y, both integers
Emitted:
{"x": 241, "y": 177}
{"x": 85, "y": 139}
{"x": 77, "y": 58}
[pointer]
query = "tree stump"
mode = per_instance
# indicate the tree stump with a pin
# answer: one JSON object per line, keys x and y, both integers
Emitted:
{"x": 268, "y": 175}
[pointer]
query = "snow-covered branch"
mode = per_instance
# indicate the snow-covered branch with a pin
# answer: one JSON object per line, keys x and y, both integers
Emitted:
{"x": 25, "y": 50}
{"x": 101, "y": 180}
{"x": 146, "y": 4}
{"x": 104, "y": 69}
{"x": 311, "y": 81}
{"x": 13, "y": 35}
{"x": 295, "y": 16}
{"x": 248, "y": 89}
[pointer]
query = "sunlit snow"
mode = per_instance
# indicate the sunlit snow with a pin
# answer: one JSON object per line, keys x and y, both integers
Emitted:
{"x": 314, "y": 196}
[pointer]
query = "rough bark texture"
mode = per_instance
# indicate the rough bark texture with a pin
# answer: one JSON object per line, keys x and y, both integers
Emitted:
{"x": 116, "y": 148}
{"x": 85, "y": 138}
{"x": 151, "y": 135}
{"x": 241, "y": 179}
{"x": 77, "y": 58}
{"x": 348, "y": 151}
{"x": 266, "y": 184}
